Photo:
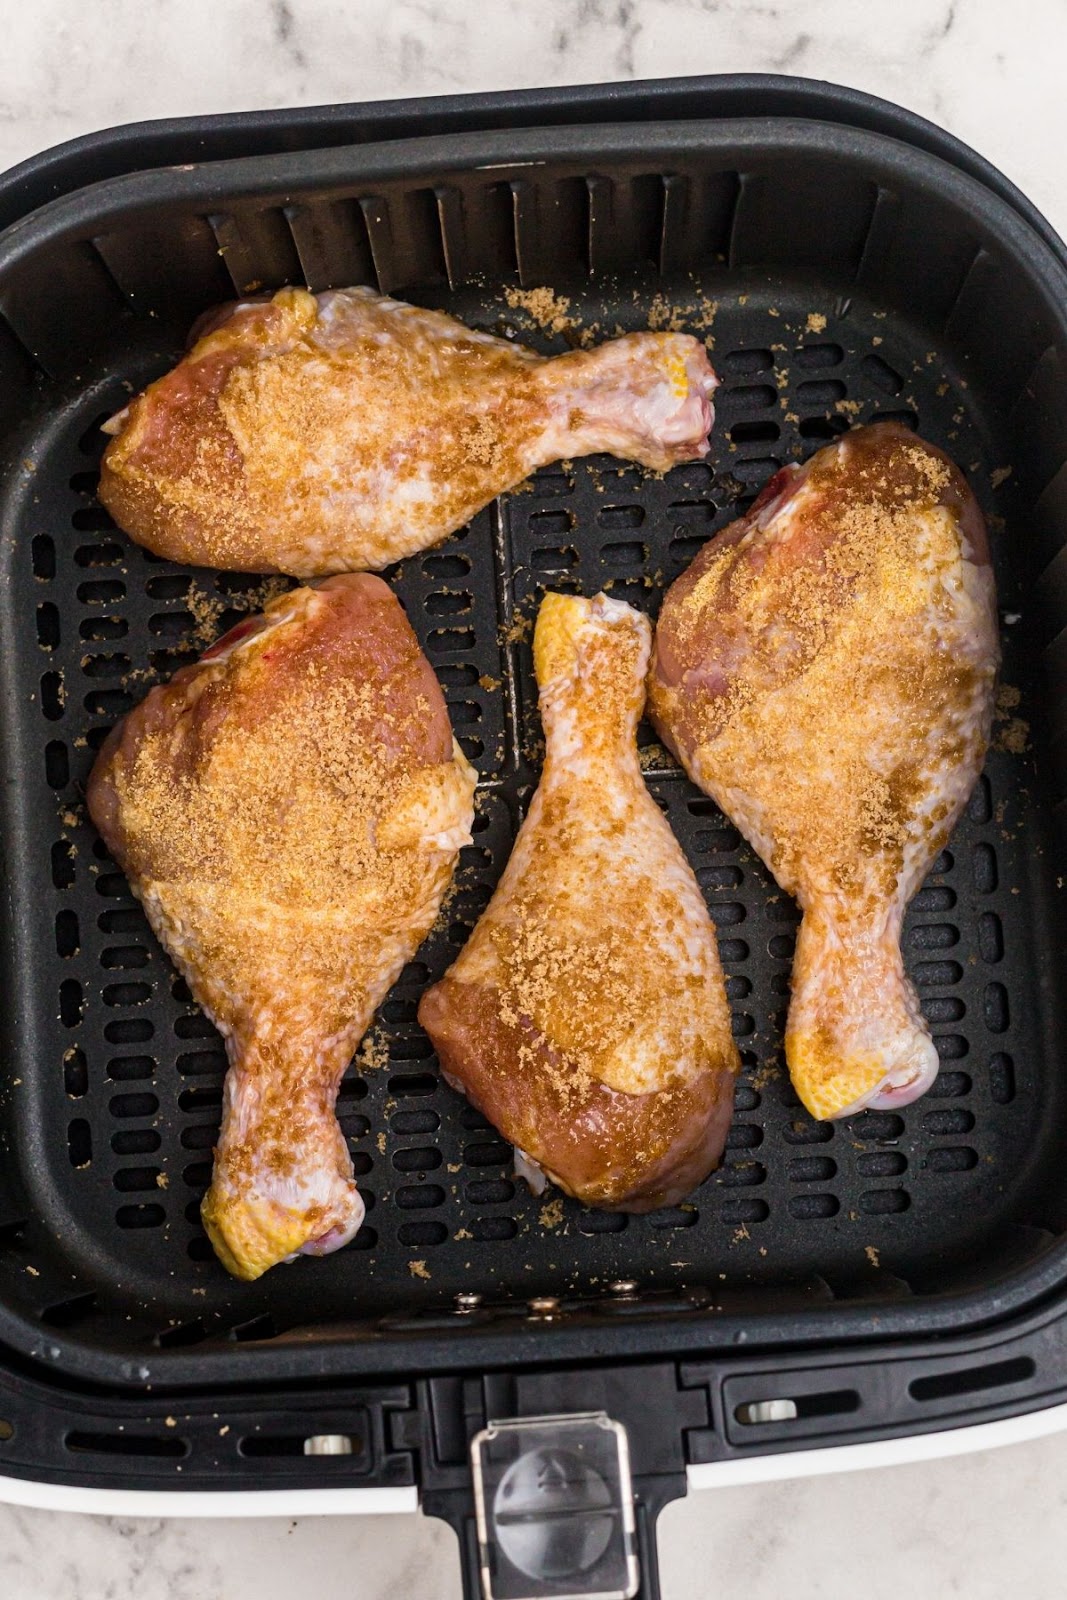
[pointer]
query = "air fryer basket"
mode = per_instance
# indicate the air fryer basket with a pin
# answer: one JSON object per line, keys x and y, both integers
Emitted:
{"x": 886, "y": 1275}
{"x": 841, "y": 276}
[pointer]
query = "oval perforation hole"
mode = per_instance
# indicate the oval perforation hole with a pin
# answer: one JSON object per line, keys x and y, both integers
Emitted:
{"x": 135, "y": 1142}
{"x": 880, "y": 1126}
{"x": 449, "y": 564}
{"x": 881, "y": 1164}
{"x": 822, "y": 428}
{"x": 133, "y": 1105}
{"x": 47, "y": 625}
{"x": 140, "y": 1216}
{"x": 423, "y": 1158}
{"x": 972, "y": 1380}
{"x": 486, "y": 1229}
{"x": 984, "y": 868}
{"x": 195, "y": 1026}
{"x": 201, "y": 1063}
{"x": 936, "y": 974}
{"x": 948, "y": 1085}
{"x": 745, "y": 1174}
{"x": 56, "y": 764}
{"x": 627, "y": 553}
{"x": 943, "y": 1008}
{"x": 123, "y": 919}
{"x": 826, "y": 354}
{"x": 980, "y": 805}
{"x": 98, "y": 630}
{"x": 813, "y": 1207}
{"x": 990, "y": 938}
{"x": 801, "y": 1132}
{"x": 995, "y": 1007}
{"x": 443, "y": 640}
{"x": 732, "y": 952}
{"x": 353, "y": 1087}
{"x": 121, "y": 958}
{"x": 738, "y": 363}
{"x": 53, "y": 695}
{"x": 489, "y": 1154}
{"x": 611, "y": 517}
{"x": 949, "y": 1121}
{"x": 201, "y": 1136}
{"x": 67, "y": 934}
{"x": 457, "y": 674}
{"x": 882, "y": 375}
{"x": 756, "y": 470}
{"x": 75, "y": 1073}
{"x": 419, "y": 1234}
{"x": 448, "y": 602}
{"x": 754, "y": 430}
{"x": 464, "y": 712}
{"x": 490, "y": 1191}
{"x": 81, "y": 1441}
{"x": 105, "y": 554}
{"x": 1002, "y": 1079}
{"x": 419, "y": 1197}
{"x": 63, "y": 870}
{"x": 79, "y": 1142}
{"x": 127, "y": 994}
{"x": 101, "y": 591}
{"x": 812, "y": 1169}
{"x": 135, "y": 1180}
{"x": 71, "y": 1003}
{"x": 413, "y": 1083}
{"x": 43, "y": 557}
{"x": 182, "y": 1334}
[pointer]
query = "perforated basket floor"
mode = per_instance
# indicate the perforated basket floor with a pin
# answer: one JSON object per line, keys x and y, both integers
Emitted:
{"x": 111, "y": 1082}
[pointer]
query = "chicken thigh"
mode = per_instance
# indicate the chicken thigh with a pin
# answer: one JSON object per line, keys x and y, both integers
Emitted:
{"x": 289, "y": 810}
{"x": 329, "y": 433}
{"x": 587, "y": 1016}
{"x": 825, "y": 670}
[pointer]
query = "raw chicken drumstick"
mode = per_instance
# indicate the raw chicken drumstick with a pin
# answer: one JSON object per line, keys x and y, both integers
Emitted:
{"x": 586, "y": 1016}
{"x": 825, "y": 670}
{"x": 329, "y": 433}
{"x": 289, "y": 810}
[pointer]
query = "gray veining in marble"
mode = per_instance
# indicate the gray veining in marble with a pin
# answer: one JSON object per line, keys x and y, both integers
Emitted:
{"x": 984, "y": 1526}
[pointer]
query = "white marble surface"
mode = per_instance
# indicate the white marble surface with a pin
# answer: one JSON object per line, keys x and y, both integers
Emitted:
{"x": 985, "y": 1525}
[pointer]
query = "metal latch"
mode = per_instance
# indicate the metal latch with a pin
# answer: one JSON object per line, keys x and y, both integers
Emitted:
{"x": 553, "y": 1499}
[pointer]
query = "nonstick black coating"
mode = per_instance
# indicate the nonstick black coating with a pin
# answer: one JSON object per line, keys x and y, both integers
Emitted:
{"x": 110, "y": 1082}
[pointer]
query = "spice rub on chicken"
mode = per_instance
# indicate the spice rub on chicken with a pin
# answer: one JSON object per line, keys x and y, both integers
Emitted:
{"x": 587, "y": 1016}
{"x": 289, "y": 810}
{"x": 825, "y": 671}
{"x": 313, "y": 434}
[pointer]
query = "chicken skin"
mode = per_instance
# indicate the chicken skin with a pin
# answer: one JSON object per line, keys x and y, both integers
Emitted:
{"x": 338, "y": 432}
{"x": 289, "y": 810}
{"x": 825, "y": 671}
{"x": 587, "y": 1016}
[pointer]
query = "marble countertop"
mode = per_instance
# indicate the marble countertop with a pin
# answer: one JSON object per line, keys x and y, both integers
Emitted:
{"x": 983, "y": 1525}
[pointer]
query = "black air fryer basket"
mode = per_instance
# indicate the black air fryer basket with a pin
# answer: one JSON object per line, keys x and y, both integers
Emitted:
{"x": 895, "y": 1273}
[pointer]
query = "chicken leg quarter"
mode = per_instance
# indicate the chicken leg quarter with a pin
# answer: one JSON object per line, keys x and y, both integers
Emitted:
{"x": 289, "y": 810}
{"x": 587, "y": 1017}
{"x": 825, "y": 670}
{"x": 328, "y": 433}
